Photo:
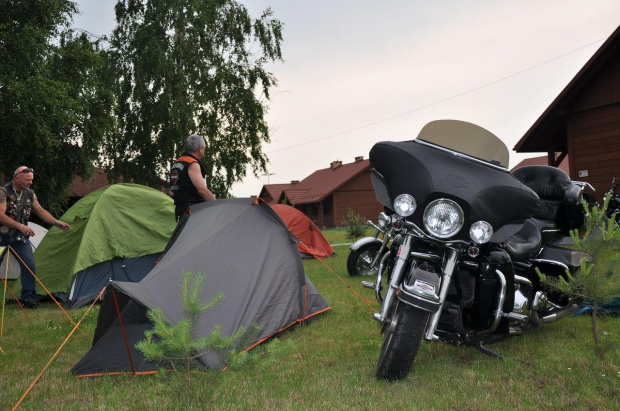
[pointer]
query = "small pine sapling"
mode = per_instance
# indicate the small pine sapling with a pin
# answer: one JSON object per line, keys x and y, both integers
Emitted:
{"x": 178, "y": 346}
{"x": 597, "y": 279}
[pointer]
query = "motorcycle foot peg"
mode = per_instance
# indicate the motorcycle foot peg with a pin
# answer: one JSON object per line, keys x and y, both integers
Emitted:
{"x": 368, "y": 284}
{"x": 377, "y": 317}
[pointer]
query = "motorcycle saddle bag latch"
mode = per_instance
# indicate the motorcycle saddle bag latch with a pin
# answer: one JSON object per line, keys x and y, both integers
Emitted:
{"x": 421, "y": 290}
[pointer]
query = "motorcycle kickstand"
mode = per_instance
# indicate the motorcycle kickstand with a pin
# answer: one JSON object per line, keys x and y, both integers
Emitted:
{"x": 489, "y": 352}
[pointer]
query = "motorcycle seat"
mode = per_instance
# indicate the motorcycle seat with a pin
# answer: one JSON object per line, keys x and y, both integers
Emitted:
{"x": 544, "y": 224}
{"x": 560, "y": 199}
{"x": 526, "y": 243}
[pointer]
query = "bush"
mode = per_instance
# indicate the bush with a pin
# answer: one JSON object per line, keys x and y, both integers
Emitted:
{"x": 355, "y": 225}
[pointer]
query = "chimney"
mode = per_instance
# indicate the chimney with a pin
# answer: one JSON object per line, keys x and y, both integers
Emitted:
{"x": 294, "y": 181}
{"x": 335, "y": 164}
{"x": 359, "y": 158}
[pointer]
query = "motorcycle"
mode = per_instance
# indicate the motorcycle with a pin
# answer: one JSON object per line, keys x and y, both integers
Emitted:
{"x": 614, "y": 203}
{"x": 367, "y": 252}
{"x": 469, "y": 237}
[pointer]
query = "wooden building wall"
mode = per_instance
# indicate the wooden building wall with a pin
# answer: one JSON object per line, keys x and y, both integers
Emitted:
{"x": 359, "y": 195}
{"x": 594, "y": 145}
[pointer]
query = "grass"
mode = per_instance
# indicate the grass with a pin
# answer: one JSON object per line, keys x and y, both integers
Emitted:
{"x": 330, "y": 366}
{"x": 339, "y": 235}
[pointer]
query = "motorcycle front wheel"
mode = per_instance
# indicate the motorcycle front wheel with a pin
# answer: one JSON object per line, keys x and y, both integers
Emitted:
{"x": 359, "y": 261}
{"x": 403, "y": 335}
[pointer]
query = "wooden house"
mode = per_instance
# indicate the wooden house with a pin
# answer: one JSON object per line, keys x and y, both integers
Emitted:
{"x": 326, "y": 195}
{"x": 583, "y": 122}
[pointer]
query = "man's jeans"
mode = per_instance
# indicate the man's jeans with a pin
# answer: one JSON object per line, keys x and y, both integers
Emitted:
{"x": 24, "y": 250}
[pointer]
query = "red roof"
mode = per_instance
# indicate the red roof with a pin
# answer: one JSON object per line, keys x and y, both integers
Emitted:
{"x": 542, "y": 161}
{"x": 274, "y": 191}
{"x": 320, "y": 184}
{"x": 80, "y": 188}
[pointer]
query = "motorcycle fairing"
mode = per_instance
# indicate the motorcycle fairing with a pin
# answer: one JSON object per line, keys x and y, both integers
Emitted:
{"x": 484, "y": 192}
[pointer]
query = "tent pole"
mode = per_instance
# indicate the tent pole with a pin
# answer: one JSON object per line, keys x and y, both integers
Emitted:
{"x": 45, "y": 288}
{"x": 120, "y": 320}
{"x": 57, "y": 352}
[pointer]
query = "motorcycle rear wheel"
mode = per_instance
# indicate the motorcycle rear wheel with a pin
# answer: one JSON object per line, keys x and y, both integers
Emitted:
{"x": 403, "y": 336}
{"x": 358, "y": 262}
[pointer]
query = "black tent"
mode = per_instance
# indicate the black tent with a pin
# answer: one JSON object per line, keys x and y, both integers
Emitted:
{"x": 246, "y": 253}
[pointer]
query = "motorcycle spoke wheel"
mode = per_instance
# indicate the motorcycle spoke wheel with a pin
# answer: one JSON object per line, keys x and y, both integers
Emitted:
{"x": 359, "y": 261}
{"x": 401, "y": 342}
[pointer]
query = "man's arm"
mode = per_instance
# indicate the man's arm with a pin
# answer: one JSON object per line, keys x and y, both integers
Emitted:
{"x": 199, "y": 183}
{"x": 47, "y": 217}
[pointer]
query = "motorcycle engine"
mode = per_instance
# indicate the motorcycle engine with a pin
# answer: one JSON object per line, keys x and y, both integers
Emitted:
{"x": 467, "y": 282}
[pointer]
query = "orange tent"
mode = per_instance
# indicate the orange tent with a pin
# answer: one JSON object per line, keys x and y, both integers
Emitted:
{"x": 313, "y": 242}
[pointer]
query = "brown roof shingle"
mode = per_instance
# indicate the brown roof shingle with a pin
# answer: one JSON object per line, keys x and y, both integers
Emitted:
{"x": 320, "y": 184}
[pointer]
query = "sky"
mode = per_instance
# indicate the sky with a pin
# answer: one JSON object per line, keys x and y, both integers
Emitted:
{"x": 356, "y": 72}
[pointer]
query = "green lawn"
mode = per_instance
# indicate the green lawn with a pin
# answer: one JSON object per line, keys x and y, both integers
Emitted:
{"x": 339, "y": 235}
{"x": 329, "y": 367}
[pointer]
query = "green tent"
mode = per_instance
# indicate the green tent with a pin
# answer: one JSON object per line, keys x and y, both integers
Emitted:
{"x": 117, "y": 232}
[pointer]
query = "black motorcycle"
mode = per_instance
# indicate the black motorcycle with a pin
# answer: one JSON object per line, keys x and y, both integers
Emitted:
{"x": 614, "y": 203}
{"x": 462, "y": 266}
{"x": 366, "y": 253}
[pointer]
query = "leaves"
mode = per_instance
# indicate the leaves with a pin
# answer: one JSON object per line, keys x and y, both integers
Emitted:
{"x": 191, "y": 67}
{"x": 598, "y": 277}
{"x": 179, "y": 346}
{"x": 54, "y": 96}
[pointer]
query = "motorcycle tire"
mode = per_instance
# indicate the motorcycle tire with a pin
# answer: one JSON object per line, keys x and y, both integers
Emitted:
{"x": 403, "y": 336}
{"x": 358, "y": 262}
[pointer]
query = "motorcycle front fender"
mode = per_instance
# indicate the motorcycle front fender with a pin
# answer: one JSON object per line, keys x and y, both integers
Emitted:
{"x": 363, "y": 241}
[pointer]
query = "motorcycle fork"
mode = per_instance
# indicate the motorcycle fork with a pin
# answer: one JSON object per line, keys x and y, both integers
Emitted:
{"x": 386, "y": 238}
{"x": 395, "y": 280}
{"x": 450, "y": 261}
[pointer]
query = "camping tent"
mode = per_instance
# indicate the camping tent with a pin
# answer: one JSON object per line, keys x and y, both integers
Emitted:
{"x": 246, "y": 253}
{"x": 312, "y": 242}
{"x": 117, "y": 232}
{"x": 39, "y": 234}
{"x": 9, "y": 261}
{"x": 9, "y": 264}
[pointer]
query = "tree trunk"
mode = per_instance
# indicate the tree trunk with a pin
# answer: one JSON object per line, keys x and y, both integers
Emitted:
{"x": 594, "y": 329}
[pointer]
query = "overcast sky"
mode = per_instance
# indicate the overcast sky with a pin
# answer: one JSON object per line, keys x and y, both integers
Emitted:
{"x": 361, "y": 71}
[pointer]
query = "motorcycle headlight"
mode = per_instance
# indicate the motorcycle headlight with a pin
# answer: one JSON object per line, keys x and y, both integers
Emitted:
{"x": 443, "y": 218}
{"x": 481, "y": 232}
{"x": 404, "y": 205}
{"x": 384, "y": 220}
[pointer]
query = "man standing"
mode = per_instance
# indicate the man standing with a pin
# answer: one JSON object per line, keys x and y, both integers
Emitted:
{"x": 17, "y": 202}
{"x": 187, "y": 177}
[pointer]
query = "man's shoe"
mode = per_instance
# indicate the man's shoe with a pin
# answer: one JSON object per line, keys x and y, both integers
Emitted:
{"x": 29, "y": 302}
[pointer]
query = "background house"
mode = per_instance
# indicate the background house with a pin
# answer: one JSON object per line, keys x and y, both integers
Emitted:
{"x": 583, "y": 122}
{"x": 326, "y": 195}
{"x": 542, "y": 161}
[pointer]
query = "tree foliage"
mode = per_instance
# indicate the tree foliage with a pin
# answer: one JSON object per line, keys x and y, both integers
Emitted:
{"x": 179, "y": 347}
{"x": 54, "y": 96}
{"x": 191, "y": 67}
{"x": 598, "y": 278}
{"x": 354, "y": 224}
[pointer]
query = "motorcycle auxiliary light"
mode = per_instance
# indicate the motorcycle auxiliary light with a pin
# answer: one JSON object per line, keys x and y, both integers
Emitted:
{"x": 384, "y": 220}
{"x": 480, "y": 232}
{"x": 404, "y": 205}
{"x": 443, "y": 218}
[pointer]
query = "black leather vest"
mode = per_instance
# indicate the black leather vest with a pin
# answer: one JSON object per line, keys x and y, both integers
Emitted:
{"x": 18, "y": 206}
{"x": 180, "y": 183}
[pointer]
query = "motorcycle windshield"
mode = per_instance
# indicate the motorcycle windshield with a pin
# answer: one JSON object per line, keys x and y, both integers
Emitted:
{"x": 466, "y": 138}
